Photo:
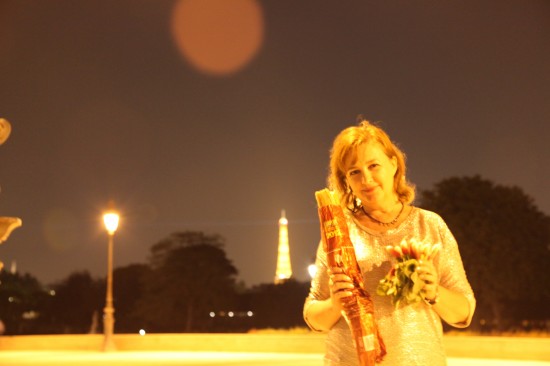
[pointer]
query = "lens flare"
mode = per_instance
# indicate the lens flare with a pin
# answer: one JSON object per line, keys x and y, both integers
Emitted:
{"x": 218, "y": 37}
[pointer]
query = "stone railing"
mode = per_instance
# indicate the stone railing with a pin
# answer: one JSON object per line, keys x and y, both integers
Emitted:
{"x": 513, "y": 348}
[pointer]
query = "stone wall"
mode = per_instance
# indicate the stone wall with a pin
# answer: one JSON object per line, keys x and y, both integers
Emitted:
{"x": 520, "y": 348}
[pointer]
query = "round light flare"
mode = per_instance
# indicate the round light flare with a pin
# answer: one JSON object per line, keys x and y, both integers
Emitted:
{"x": 5, "y": 130}
{"x": 110, "y": 219}
{"x": 218, "y": 37}
{"x": 142, "y": 332}
{"x": 60, "y": 229}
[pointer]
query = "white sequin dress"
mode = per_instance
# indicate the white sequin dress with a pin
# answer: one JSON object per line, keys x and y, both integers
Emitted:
{"x": 412, "y": 334}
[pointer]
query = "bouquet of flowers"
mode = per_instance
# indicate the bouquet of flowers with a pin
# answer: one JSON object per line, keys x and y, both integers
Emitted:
{"x": 402, "y": 282}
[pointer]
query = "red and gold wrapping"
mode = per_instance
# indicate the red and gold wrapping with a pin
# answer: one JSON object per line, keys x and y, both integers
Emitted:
{"x": 358, "y": 308}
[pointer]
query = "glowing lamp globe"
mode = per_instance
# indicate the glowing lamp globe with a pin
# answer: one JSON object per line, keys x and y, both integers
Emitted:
{"x": 111, "y": 222}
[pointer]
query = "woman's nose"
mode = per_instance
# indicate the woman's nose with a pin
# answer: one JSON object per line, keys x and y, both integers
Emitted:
{"x": 366, "y": 176}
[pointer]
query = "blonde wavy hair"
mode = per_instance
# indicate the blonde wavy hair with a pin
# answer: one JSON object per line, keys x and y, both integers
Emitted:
{"x": 346, "y": 144}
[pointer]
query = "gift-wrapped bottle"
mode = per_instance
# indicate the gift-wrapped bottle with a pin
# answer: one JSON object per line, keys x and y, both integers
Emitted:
{"x": 358, "y": 309}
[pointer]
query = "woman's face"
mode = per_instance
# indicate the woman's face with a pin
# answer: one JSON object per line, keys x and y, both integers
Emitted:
{"x": 370, "y": 174}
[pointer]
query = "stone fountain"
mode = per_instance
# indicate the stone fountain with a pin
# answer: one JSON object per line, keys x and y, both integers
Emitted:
{"x": 7, "y": 224}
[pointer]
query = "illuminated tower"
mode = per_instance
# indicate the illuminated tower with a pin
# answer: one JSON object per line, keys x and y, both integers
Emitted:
{"x": 284, "y": 271}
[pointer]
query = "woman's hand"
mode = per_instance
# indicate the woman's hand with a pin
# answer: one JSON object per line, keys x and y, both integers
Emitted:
{"x": 323, "y": 314}
{"x": 340, "y": 286}
{"x": 453, "y": 307}
{"x": 427, "y": 273}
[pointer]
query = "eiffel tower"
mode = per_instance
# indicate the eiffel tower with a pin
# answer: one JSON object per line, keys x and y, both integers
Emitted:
{"x": 284, "y": 270}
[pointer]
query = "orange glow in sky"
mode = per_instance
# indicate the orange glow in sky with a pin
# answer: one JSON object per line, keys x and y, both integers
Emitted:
{"x": 218, "y": 37}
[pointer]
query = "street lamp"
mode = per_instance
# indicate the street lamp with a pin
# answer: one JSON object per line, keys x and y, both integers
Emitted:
{"x": 110, "y": 219}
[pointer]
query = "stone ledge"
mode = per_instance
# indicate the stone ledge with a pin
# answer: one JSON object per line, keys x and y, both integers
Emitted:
{"x": 513, "y": 348}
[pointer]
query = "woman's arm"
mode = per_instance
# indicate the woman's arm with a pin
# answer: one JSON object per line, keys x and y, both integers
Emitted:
{"x": 453, "y": 307}
{"x": 321, "y": 315}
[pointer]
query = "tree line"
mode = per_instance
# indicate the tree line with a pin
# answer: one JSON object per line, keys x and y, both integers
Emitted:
{"x": 504, "y": 241}
{"x": 189, "y": 284}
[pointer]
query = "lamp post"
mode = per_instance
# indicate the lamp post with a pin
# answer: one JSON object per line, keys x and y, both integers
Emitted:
{"x": 110, "y": 219}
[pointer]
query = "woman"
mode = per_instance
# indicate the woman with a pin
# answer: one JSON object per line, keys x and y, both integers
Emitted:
{"x": 368, "y": 173}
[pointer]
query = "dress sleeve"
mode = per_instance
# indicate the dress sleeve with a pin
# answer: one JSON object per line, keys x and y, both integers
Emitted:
{"x": 451, "y": 271}
{"x": 319, "y": 289}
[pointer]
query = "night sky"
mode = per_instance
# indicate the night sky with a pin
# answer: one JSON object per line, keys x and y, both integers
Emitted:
{"x": 198, "y": 116}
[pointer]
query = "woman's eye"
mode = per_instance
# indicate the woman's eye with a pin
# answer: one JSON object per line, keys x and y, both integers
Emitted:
{"x": 354, "y": 172}
{"x": 372, "y": 166}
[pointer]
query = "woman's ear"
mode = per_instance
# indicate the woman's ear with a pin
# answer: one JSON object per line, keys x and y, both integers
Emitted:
{"x": 394, "y": 164}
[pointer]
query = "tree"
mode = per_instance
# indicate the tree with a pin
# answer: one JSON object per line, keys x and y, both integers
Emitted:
{"x": 76, "y": 300}
{"x": 504, "y": 243}
{"x": 20, "y": 302}
{"x": 277, "y": 306}
{"x": 190, "y": 276}
{"x": 128, "y": 288}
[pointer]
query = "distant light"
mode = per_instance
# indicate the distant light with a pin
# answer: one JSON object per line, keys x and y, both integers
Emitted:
{"x": 231, "y": 314}
{"x": 11, "y": 299}
{"x": 29, "y": 315}
{"x": 142, "y": 332}
{"x": 250, "y": 313}
{"x": 212, "y": 314}
{"x": 312, "y": 269}
{"x": 52, "y": 292}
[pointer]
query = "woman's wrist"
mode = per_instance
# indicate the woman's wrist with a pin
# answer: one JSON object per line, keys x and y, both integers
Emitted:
{"x": 433, "y": 300}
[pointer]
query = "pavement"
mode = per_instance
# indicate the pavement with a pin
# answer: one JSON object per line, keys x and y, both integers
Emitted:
{"x": 89, "y": 358}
